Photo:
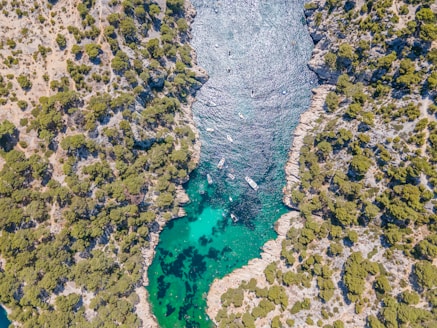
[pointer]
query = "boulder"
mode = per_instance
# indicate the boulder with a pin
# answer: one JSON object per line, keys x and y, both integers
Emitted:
{"x": 157, "y": 79}
{"x": 317, "y": 65}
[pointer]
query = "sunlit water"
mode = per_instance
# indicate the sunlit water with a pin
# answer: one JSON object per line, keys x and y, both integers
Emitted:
{"x": 255, "y": 52}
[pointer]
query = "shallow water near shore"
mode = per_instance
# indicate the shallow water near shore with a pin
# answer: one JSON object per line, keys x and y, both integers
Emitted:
{"x": 255, "y": 52}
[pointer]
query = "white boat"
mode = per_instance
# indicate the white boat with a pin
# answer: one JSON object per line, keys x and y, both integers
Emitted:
{"x": 208, "y": 177}
{"x": 231, "y": 176}
{"x": 209, "y": 130}
{"x": 251, "y": 183}
{"x": 221, "y": 163}
{"x": 234, "y": 217}
{"x": 241, "y": 115}
{"x": 229, "y": 138}
{"x": 230, "y": 199}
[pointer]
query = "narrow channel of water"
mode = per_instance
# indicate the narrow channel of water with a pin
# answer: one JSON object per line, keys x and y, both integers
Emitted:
{"x": 255, "y": 52}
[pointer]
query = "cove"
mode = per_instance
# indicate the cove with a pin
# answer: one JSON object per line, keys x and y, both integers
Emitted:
{"x": 255, "y": 52}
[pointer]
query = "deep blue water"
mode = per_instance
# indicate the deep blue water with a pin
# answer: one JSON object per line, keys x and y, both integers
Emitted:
{"x": 255, "y": 52}
{"x": 4, "y": 322}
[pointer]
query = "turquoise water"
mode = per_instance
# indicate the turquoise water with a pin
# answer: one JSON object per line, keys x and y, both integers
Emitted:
{"x": 4, "y": 322}
{"x": 255, "y": 52}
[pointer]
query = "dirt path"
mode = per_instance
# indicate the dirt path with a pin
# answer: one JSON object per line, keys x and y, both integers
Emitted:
{"x": 99, "y": 8}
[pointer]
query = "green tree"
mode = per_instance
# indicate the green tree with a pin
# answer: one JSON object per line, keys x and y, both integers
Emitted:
{"x": 425, "y": 15}
{"x": 61, "y": 41}
{"x": 154, "y": 10}
{"x": 331, "y": 60}
{"x": 128, "y": 28}
{"x": 92, "y": 50}
{"x": 426, "y": 274}
{"x": 428, "y": 32}
{"x": 332, "y": 101}
{"x": 120, "y": 62}
{"x": 24, "y": 82}
{"x": 360, "y": 164}
{"x": 176, "y": 6}
{"x": 6, "y": 127}
{"x": 346, "y": 212}
{"x": 346, "y": 51}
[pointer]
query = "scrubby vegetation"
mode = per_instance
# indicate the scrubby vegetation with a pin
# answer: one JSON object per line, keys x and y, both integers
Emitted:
{"x": 94, "y": 145}
{"x": 362, "y": 252}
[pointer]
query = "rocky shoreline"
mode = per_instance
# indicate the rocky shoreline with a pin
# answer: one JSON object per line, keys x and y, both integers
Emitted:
{"x": 307, "y": 122}
{"x": 272, "y": 249}
{"x": 254, "y": 269}
{"x": 143, "y": 308}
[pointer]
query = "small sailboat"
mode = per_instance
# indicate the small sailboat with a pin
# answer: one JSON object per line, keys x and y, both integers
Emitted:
{"x": 231, "y": 176}
{"x": 230, "y": 199}
{"x": 229, "y": 138}
{"x": 241, "y": 115}
{"x": 234, "y": 217}
{"x": 251, "y": 183}
{"x": 221, "y": 163}
{"x": 208, "y": 177}
{"x": 210, "y": 130}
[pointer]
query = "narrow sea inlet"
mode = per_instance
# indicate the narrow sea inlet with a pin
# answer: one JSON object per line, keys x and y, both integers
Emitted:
{"x": 255, "y": 52}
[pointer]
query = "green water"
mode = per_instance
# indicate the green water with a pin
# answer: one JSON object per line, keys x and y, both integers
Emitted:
{"x": 256, "y": 61}
{"x": 204, "y": 245}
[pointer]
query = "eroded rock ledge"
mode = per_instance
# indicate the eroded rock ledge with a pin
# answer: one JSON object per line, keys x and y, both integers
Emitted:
{"x": 307, "y": 122}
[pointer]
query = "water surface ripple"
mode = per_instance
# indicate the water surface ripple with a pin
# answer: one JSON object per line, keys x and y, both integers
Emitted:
{"x": 255, "y": 52}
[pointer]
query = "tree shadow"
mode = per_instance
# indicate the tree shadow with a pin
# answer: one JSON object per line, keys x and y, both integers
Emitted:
{"x": 412, "y": 278}
{"x": 9, "y": 140}
{"x": 343, "y": 289}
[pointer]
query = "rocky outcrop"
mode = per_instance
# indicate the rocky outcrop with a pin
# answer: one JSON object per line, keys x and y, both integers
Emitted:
{"x": 254, "y": 269}
{"x": 317, "y": 63}
{"x": 157, "y": 79}
{"x": 307, "y": 122}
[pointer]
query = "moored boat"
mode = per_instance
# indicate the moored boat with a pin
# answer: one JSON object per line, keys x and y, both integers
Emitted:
{"x": 234, "y": 217}
{"x": 231, "y": 176}
{"x": 221, "y": 163}
{"x": 229, "y": 138}
{"x": 251, "y": 183}
{"x": 208, "y": 177}
{"x": 209, "y": 130}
